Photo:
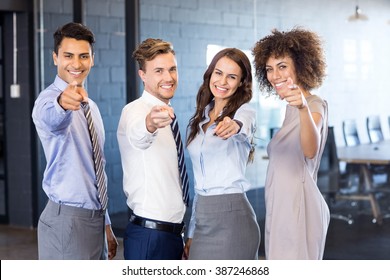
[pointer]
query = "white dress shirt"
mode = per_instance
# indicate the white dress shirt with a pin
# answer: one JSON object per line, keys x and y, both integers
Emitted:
{"x": 151, "y": 180}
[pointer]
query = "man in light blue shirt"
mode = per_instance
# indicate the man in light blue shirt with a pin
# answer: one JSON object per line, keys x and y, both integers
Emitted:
{"x": 73, "y": 224}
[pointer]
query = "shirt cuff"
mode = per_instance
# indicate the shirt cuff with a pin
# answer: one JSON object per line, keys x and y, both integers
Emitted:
{"x": 58, "y": 107}
{"x": 239, "y": 124}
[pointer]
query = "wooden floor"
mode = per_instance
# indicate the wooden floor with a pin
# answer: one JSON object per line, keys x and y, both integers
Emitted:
{"x": 362, "y": 240}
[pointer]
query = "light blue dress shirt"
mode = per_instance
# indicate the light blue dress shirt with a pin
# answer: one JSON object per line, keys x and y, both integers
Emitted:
{"x": 69, "y": 177}
{"x": 219, "y": 165}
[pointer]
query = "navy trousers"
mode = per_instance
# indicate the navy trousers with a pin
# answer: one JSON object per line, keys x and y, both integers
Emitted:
{"x": 150, "y": 244}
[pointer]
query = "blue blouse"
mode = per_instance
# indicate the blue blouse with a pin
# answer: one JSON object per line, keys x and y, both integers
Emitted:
{"x": 219, "y": 165}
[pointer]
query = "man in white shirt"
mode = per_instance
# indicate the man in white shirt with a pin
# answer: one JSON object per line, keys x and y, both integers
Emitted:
{"x": 151, "y": 180}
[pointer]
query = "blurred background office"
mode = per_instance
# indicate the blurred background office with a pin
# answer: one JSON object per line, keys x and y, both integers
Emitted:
{"x": 356, "y": 37}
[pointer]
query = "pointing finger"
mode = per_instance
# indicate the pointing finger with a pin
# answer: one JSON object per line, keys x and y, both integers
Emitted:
{"x": 290, "y": 83}
{"x": 169, "y": 110}
{"x": 83, "y": 93}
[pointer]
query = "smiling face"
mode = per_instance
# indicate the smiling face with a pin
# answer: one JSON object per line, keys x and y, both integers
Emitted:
{"x": 160, "y": 76}
{"x": 74, "y": 60}
{"x": 278, "y": 70}
{"x": 225, "y": 79}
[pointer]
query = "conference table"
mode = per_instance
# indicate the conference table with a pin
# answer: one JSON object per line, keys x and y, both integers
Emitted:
{"x": 365, "y": 156}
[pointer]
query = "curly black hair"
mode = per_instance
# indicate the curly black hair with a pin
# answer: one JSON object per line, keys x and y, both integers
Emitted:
{"x": 302, "y": 46}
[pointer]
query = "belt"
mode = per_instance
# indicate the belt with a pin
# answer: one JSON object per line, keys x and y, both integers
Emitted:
{"x": 167, "y": 227}
{"x": 62, "y": 209}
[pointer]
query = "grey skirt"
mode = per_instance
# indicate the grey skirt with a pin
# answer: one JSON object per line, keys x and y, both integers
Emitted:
{"x": 226, "y": 229}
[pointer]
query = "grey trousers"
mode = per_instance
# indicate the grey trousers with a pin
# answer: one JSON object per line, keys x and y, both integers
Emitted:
{"x": 71, "y": 233}
{"x": 226, "y": 229}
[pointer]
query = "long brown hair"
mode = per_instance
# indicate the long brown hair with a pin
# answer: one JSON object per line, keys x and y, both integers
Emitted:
{"x": 204, "y": 96}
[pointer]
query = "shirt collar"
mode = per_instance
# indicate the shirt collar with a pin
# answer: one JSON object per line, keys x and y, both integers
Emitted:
{"x": 151, "y": 99}
{"x": 206, "y": 112}
{"x": 209, "y": 107}
{"x": 60, "y": 83}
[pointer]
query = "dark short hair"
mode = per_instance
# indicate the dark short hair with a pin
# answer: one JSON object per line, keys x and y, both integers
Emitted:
{"x": 73, "y": 30}
{"x": 149, "y": 49}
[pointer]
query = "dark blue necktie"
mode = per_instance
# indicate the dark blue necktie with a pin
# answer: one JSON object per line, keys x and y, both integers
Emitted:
{"x": 181, "y": 161}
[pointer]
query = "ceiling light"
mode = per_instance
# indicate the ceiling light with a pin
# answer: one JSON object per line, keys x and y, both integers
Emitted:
{"x": 358, "y": 15}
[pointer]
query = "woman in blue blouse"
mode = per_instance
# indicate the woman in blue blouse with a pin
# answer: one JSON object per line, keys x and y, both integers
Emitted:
{"x": 223, "y": 224}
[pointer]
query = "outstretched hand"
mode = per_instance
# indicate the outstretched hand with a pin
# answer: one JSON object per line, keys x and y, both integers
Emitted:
{"x": 159, "y": 117}
{"x": 72, "y": 97}
{"x": 226, "y": 128}
{"x": 295, "y": 97}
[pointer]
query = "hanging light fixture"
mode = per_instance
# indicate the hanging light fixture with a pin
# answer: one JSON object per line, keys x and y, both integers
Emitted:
{"x": 357, "y": 15}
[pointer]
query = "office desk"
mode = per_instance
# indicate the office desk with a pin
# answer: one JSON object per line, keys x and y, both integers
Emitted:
{"x": 365, "y": 155}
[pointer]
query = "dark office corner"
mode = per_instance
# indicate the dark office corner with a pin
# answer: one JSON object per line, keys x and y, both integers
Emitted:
{"x": 17, "y": 120}
{"x": 33, "y": 140}
{"x": 14, "y": 5}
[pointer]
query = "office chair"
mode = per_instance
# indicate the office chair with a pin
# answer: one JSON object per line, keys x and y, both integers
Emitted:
{"x": 374, "y": 129}
{"x": 350, "y": 133}
{"x": 351, "y": 138}
{"x": 332, "y": 184}
{"x": 388, "y": 120}
{"x": 335, "y": 187}
{"x": 272, "y": 131}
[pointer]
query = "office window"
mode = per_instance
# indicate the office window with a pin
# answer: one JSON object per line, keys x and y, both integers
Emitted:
{"x": 358, "y": 57}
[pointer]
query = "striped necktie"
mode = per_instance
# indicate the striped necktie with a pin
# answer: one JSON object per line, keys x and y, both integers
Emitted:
{"x": 97, "y": 158}
{"x": 181, "y": 161}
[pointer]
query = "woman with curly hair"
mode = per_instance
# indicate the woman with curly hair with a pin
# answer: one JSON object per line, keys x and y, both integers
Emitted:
{"x": 291, "y": 64}
{"x": 223, "y": 224}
